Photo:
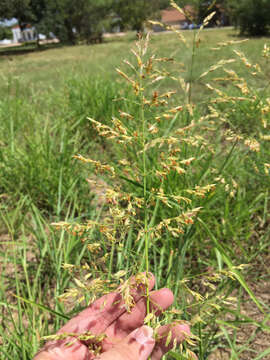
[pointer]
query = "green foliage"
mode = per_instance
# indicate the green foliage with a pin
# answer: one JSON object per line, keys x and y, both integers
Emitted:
{"x": 203, "y": 8}
{"x": 70, "y": 21}
{"x": 134, "y": 13}
{"x": 15, "y": 8}
{"x": 221, "y": 17}
{"x": 251, "y": 16}
{"x": 74, "y": 21}
{"x": 43, "y": 123}
{"x": 25, "y": 11}
{"x": 5, "y": 33}
{"x": 83, "y": 20}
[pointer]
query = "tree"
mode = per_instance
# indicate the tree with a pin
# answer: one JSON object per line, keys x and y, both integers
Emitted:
{"x": 25, "y": 11}
{"x": 19, "y": 9}
{"x": 134, "y": 13}
{"x": 5, "y": 33}
{"x": 252, "y": 17}
{"x": 206, "y": 7}
{"x": 77, "y": 21}
{"x": 203, "y": 8}
{"x": 69, "y": 20}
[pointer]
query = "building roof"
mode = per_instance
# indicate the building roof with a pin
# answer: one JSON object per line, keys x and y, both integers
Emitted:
{"x": 172, "y": 15}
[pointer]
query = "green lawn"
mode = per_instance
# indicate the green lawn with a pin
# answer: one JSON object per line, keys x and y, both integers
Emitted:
{"x": 45, "y": 99}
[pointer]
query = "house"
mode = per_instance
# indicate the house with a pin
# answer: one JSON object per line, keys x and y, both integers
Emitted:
{"x": 28, "y": 33}
{"x": 189, "y": 18}
{"x": 21, "y": 34}
{"x": 16, "y": 32}
{"x": 175, "y": 18}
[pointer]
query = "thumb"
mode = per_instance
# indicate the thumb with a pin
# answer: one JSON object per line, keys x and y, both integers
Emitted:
{"x": 137, "y": 345}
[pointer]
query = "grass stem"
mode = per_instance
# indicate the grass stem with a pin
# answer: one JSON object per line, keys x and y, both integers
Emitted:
{"x": 146, "y": 234}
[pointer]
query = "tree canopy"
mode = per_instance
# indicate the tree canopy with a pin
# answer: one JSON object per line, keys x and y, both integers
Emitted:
{"x": 73, "y": 21}
{"x": 22, "y": 10}
{"x": 133, "y": 13}
{"x": 203, "y": 8}
{"x": 252, "y": 17}
{"x": 25, "y": 11}
{"x": 5, "y": 33}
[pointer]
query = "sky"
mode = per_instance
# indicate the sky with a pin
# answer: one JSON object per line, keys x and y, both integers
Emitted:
{"x": 10, "y": 22}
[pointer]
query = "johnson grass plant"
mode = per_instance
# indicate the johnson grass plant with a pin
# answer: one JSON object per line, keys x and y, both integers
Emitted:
{"x": 181, "y": 185}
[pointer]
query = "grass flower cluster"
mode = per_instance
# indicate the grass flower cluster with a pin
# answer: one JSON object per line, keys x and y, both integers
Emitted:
{"x": 177, "y": 159}
{"x": 164, "y": 150}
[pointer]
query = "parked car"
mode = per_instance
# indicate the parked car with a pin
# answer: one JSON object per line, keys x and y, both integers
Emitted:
{"x": 192, "y": 26}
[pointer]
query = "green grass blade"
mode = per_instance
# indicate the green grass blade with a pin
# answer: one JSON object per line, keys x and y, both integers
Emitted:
{"x": 263, "y": 354}
{"x": 229, "y": 263}
{"x": 42, "y": 307}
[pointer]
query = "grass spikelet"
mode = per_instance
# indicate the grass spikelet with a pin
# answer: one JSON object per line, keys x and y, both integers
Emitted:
{"x": 176, "y": 156}
{"x": 168, "y": 172}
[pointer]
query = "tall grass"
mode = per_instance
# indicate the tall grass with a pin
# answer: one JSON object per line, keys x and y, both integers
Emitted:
{"x": 164, "y": 164}
{"x": 172, "y": 173}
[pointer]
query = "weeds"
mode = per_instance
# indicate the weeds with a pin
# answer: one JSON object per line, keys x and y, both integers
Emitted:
{"x": 164, "y": 189}
{"x": 186, "y": 198}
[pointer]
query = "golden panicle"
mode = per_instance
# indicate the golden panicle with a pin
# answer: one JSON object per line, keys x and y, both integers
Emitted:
{"x": 266, "y": 168}
{"x": 173, "y": 4}
{"x": 253, "y": 145}
{"x": 170, "y": 28}
{"x": 118, "y": 132}
{"x": 220, "y": 64}
{"x": 201, "y": 191}
{"x": 94, "y": 247}
{"x": 266, "y": 51}
{"x": 228, "y": 43}
{"x": 99, "y": 168}
{"x": 126, "y": 115}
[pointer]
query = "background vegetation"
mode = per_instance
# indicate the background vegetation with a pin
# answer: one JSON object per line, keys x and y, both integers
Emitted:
{"x": 5, "y": 33}
{"x": 45, "y": 101}
{"x": 87, "y": 20}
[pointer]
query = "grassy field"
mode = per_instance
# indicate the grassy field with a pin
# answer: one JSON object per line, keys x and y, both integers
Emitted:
{"x": 212, "y": 153}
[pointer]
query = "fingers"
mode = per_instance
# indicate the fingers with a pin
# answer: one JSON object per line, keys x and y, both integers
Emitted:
{"x": 109, "y": 315}
{"x": 137, "y": 345}
{"x": 168, "y": 336}
{"x": 140, "y": 344}
{"x": 103, "y": 312}
{"x": 69, "y": 349}
{"x": 160, "y": 300}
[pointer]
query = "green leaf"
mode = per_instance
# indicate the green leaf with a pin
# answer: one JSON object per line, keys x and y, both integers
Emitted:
{"x": 263, "y": 354}
{"x": 229, "y": 263}
{"x": 42, "y": 307}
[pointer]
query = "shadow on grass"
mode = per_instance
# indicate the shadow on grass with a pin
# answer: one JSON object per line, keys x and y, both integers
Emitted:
{"x": 27, "y": 48}
{"x": 241, "y": 36}
{"x": 32, "y": 47}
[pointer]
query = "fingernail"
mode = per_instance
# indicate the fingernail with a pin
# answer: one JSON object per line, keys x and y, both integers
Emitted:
{"x": 143, "y": 335}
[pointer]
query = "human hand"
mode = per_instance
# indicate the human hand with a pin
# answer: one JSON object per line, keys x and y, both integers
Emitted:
{"x": 126, "y": 337}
